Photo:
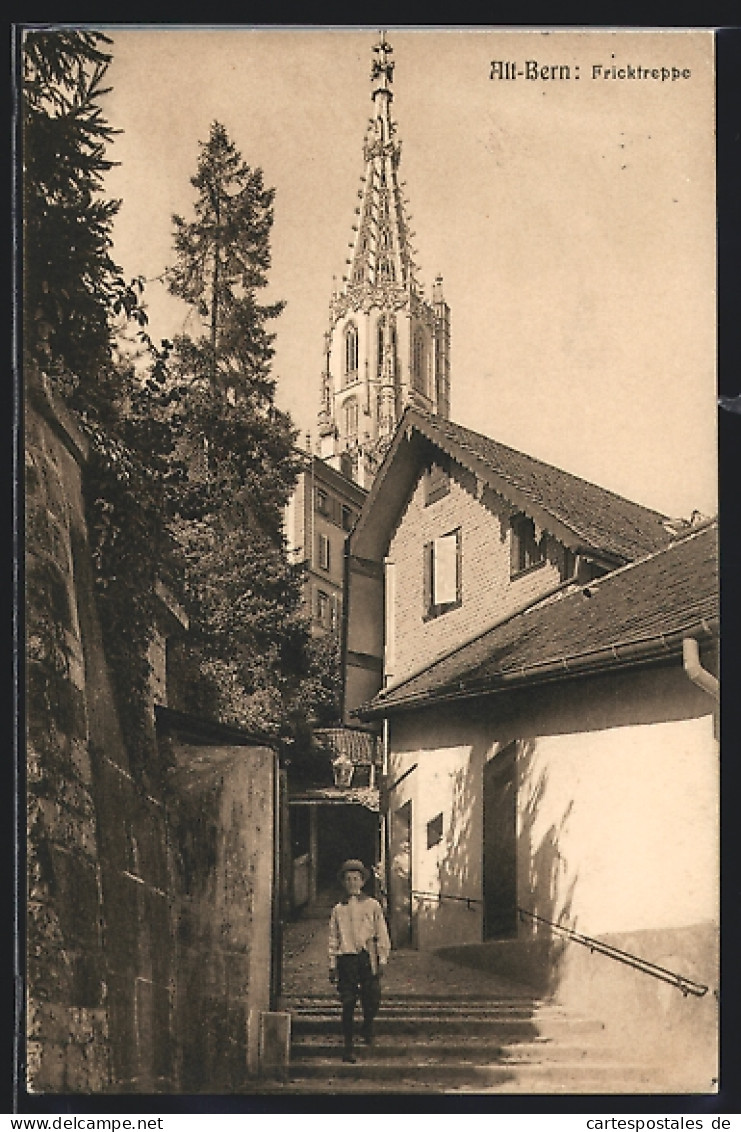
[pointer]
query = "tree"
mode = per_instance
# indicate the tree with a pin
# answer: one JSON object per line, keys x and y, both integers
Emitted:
{"x": 74, "y": 294}
{"x": 248, "y": 647}
{"x": 72, "y": 287}
{"x": 223, "y": 260}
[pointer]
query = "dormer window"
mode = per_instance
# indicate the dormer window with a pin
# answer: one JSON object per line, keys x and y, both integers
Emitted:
{"x": 436, "y": 484}
{"x": 526, "y": 551}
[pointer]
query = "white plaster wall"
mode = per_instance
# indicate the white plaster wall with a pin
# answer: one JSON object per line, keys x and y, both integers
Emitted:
{"x": 618, "y": 823}
{"x": 446, "y": 780}
{"x": 633, "y": 812}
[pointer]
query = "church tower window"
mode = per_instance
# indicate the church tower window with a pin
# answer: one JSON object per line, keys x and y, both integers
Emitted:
{"x": 350, "y": 414}
{"x": 419, "y": 361}
{"x": 386, "y": 270}
{"x": 351, "y": 353}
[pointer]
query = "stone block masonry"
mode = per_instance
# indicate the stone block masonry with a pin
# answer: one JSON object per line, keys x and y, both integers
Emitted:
{"x": 150, "y": 904}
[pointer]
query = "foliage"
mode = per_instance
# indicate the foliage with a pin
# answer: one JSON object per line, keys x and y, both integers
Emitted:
{"x": 74, "y": 293}
{"x": 323, "y": 685}
{"x": 72, "y": 286}
{"x": 249, "y": 635}
{"x": 191, "y": 464}
{"x": 223, "y": 257}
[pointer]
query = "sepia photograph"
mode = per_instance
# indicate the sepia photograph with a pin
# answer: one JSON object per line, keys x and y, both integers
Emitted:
{"x": 371, "y": 605}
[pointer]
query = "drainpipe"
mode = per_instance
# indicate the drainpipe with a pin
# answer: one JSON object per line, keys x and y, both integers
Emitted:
{"x": 696, "y": 673}
{"x": 385, "y": 862}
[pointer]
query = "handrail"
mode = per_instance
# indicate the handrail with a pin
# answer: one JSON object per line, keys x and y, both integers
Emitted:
{"x": 687, "y": 986}
{"x": 467, "y": 900}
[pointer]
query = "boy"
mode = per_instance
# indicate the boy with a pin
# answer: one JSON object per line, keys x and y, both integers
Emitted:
{"x": 359, "y": 948}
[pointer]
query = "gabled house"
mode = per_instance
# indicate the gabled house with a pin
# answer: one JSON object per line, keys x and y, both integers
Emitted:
{"x": 541, "y": 655}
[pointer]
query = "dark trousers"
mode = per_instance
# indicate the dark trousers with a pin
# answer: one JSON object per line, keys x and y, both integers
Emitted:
{"x": 355, "y": 980}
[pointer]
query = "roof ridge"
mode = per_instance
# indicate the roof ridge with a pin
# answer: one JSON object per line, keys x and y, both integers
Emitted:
{"x": 536, "y": 460}
{"x": 675, "y": 542}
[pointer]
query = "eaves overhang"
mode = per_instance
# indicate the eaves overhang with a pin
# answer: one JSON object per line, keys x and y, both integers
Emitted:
{"x": 401, "y": 466}
{"x": 656, "y": 649}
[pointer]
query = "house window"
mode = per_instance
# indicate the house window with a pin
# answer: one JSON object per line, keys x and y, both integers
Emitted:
{"x": 351, "y": 353}
{"x": 436, "y": 485}
{"x": 525, "y": 550}
{"x": 434, "y": 831}
{"x": 348, "y": 518}
{"x": 442, "y": 574}
{"x": 323, "y": 502}
{"x": 323, "y": 551}
{"x": 326, "y": 610}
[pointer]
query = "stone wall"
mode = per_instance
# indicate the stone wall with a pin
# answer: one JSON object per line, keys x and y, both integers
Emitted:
{"x": 224, "y": 832}
{"x": 141, "y": 976}
{"x": 68, "y": 1036}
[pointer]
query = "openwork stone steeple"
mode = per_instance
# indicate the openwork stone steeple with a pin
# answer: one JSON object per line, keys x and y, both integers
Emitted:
{"x": 386, "y": 346}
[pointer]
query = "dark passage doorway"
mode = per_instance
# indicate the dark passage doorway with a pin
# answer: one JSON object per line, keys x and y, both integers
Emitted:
{"x": 500, "y": 845}
{"x": 345, "y": 831}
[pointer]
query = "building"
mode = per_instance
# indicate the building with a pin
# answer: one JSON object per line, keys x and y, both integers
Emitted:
{"x": 320, "y": 513}
{"x": 386, "y": 346}
{"x": 542, "y": 656}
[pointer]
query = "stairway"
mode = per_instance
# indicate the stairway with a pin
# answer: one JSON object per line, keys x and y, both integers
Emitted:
{"x": 458, "y": 1044}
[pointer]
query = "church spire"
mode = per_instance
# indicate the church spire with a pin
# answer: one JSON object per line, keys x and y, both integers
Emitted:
{"x": 386, "y": 346}
{"x": 381, "y": 253}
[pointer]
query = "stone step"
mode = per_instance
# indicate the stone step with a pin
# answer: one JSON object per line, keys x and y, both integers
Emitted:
{"x": 583, "y": 1086}
{"x": 428, "y": 1025}
{"x": 423, "y": 1011}
{"x": 462, "y": 1049}
{"x": 296, "y": 1001}
{"x": 418, "y": 1066}
{"x": 477, "y": 1010}
{"x": 380, "y": 1076}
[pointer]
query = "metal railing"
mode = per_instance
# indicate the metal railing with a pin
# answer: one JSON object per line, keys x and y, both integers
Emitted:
{"x": 439, "y": 896}
{"x": 687, "y": 986}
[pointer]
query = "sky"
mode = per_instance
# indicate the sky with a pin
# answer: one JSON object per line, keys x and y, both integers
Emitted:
{"x": 572, "y": 219}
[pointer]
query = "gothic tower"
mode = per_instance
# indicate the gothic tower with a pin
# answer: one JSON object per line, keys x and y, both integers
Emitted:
{"x": 386, "y": 346}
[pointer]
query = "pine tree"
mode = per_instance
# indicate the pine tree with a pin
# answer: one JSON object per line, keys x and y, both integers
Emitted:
{"x": 247, "y": 649}
{"x": 72, "y": 288}
{"x": 223, "y": 260}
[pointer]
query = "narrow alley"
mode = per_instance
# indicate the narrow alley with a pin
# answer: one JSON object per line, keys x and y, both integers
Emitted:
{"x": 442, "y": 1028}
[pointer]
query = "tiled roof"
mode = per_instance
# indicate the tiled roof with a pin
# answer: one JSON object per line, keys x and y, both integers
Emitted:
{"x": 629, "y": 611}
{"x": 360, "y": 747}
{"x": 600, "y": 518}
{"x": 367, "y": 796}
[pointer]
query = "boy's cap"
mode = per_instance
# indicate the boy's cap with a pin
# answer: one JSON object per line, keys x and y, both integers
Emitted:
{"x": 354, "y": 866}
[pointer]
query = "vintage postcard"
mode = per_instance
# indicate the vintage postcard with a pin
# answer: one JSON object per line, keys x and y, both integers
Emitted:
{"x": 372, "y": 562}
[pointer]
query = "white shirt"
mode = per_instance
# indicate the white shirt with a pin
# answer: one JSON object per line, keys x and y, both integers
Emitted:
{"x": 356, "y": 923}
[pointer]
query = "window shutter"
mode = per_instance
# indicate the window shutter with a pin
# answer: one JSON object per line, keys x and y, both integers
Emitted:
{"x": 428, "y": 566}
